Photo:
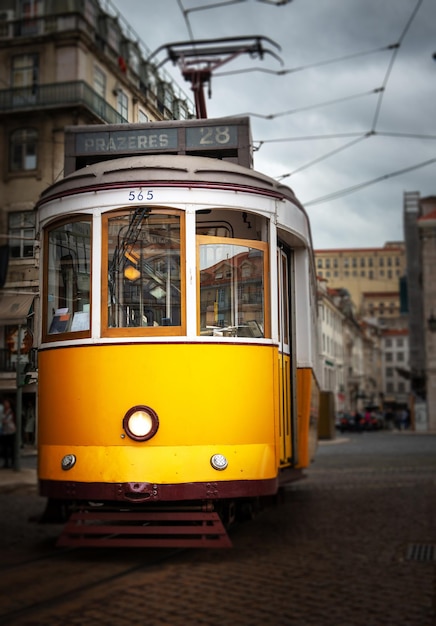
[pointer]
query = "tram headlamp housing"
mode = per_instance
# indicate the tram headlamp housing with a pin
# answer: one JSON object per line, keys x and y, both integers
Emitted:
{"x": 140, "y": 423}
{"x": 68, "y": 461}
{"x": 219, "y": 462}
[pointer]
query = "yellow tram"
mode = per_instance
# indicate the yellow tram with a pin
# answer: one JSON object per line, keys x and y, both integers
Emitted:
{"x": 177, "y": 367}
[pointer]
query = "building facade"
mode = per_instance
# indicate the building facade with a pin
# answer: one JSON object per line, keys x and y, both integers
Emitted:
{"x": 363, "y": 271}
{"x": 372, "y": 280}
{"x": 419, "y": 217}
{"x": 62, "y": 63}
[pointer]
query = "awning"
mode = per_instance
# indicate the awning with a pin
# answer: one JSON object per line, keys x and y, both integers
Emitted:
{"x": 14, "y": 308}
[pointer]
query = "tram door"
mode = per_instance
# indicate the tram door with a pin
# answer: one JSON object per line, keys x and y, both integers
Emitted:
{"x": 286, "y": 362}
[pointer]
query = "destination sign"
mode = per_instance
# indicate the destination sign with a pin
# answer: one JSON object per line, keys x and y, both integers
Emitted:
{"x": 126, "y": 141}
{"x": 211, "y": 137}
{"x": 221, "y": 138}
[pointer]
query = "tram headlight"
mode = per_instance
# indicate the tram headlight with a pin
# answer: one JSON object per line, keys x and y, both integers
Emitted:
{"x": 219, "y": 462}
{"x": 140, "y": 423}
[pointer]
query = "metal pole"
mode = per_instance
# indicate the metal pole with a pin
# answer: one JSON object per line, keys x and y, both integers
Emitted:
{"x": 18, "y": 407}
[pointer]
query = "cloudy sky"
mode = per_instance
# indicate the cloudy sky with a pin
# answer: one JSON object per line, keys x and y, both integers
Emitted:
{"x": 349, "y": 107}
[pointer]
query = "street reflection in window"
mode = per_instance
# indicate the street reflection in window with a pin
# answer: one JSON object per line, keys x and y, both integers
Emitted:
{"x": 232, "y": 287}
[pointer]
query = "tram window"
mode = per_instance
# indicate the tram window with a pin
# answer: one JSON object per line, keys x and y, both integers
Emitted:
{"x": 233, "y": 287}
{"x": 143, "y": 257}
{"x": 68, "y": 278}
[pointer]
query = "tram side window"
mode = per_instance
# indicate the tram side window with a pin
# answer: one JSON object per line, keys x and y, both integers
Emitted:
{"x": 233, "y": 287}
{"x": 68, "y": 277}
{"x": 144, "y": 277}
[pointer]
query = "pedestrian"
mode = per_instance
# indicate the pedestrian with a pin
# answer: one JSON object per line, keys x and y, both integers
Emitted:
{"x": 389, "y": 418}
{"x": 29, "y": 424}
{"x": 9, "y": 429}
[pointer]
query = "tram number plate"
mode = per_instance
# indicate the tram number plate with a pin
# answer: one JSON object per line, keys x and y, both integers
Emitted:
{"x": 141, "y": 195}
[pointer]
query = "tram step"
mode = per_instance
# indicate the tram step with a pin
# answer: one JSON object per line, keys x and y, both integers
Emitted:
{"x": 123, "y": 529}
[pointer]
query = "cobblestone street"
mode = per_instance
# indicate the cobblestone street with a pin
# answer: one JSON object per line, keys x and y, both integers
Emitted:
{"x": 354, "y": 544}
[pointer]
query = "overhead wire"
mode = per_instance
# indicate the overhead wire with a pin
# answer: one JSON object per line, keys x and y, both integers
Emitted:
{"x": 380, "y": 91}
{"x": 308, "y": 66}
{"x": 353, "y": 188}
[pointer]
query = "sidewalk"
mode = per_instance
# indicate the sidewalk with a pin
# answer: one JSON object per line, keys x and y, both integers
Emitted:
{"x": 10, "y": 478}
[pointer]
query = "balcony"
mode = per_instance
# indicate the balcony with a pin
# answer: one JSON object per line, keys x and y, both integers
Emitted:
{"x": 8, "y": 361}
{"x": 57, "y": 95}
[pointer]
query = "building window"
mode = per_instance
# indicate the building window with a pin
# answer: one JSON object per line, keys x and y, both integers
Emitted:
{"x": 370, "y": 274}
{"x": 400, "y": 356}
{"x": 31, "y": 9}
{"x": 354, "y": 261}
{"x": 143, "y": 119}
{"x": 388, "y": 343}
{"x": 381, "y": 262}
{"x": 99, "y": 81}
{"x": 390, "y": 388}
{"x": 400, "y": 342}
{"x": 335, "y": 262}
{"x": 123, "y": 104}
{"x": 370, "y": 263}
{"x": 21, "y": 234}
{"x": 327, "y": 263}
{"x": 22, "y": 150}
{"x": 362, "y": 262}
{"x": 388, "y": 357}
{"x": 389, "y": 372}
{"x": 24, "y": 70}
{"x": 319, "y": 262}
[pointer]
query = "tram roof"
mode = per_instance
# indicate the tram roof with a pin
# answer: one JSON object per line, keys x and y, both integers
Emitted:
{"x": 163, "y": 169}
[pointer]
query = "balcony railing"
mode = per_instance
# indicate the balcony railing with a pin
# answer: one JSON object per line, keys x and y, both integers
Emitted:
{"x": 8, "y": 361}
{"x": 74, "y": 93}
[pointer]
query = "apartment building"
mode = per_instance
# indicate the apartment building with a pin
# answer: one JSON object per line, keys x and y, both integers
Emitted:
{"x": 62, "y": 63}
{"x": 373, "y": 278}
{"x": 365, "y": 271}
{"x": 331, "y": 320}
{"x": 419, "y": 219}
{"x": 395, "y": 357}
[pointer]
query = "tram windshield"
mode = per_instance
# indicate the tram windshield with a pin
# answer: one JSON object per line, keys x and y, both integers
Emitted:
{"x": 143, "y": 261}
{"x": 68, "y": 277}
{"x": 233, "y": 279}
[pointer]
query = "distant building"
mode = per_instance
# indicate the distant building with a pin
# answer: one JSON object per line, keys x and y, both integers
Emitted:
{"x": 364, "y": 270}
{"x": 419, "y": 217}
{"x": 395, "y": 365}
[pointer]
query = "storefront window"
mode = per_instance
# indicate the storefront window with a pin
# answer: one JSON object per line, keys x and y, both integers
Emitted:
{"x": 143, "y": 256}
{"x": 68, "y": 277}
{"x": 232, "y": 287}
